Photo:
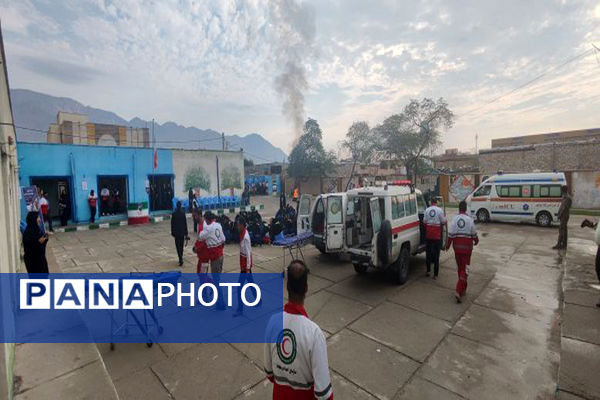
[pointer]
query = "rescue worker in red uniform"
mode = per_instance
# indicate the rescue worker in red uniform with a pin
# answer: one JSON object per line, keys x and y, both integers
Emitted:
{"x": 212, "y": 234}
{"x": 200, "y": 247}
{"x": 434, "y": 220}
{"x": 296, "y": 359}
{"x": 245, "y": 263}
{"x": 462, "y": 235}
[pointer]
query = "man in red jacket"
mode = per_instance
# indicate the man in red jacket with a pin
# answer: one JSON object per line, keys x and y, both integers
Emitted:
{"x": 462, "y": 235}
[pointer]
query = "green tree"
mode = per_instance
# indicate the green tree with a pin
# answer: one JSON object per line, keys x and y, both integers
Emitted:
{"x": 407, "y": 137}
{"x": 360, "y": 143}
{"x": 231, "y": 178}
{"x": 309, "y": 158}
{"x": 197, "y": 178}
{"x": 248, "y": 162}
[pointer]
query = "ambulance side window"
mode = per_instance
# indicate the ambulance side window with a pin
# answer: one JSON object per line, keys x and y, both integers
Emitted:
{"x": 555, "y": 191}
{"x": 421, "y": 204}
{"x": 400, "y": 202}
{"x": 394, "y": 207}
{"x": 413, "y": 204}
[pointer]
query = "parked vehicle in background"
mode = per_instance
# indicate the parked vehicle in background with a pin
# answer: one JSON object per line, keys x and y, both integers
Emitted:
{"x": 384, "y": 227}
{"x": 533, "y": 197}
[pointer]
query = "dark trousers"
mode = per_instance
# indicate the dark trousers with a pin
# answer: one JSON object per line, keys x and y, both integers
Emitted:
{"x": 195, "y": 225}
{"x": 64, "y": 217}
{"x": 244, "y": 277}
{"x": 179, "y": 246}
{"x": 562, "y": 235}
{"x": 48, "y": 219}
{"x": 93, "y": 213}
{"x": 432, "y": 251}
{"x": 598, "y": 263}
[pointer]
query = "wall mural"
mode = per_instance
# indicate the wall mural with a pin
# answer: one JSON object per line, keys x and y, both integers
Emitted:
{"x": 460, "y": 189}
{"x": 196, "y": 178}
{"x": 231, "y": 178}
{"x": 198, "y": 169}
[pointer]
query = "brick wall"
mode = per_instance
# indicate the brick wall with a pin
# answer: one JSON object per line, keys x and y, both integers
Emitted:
{"x": 579, "y": 160}
{"x": 573, "y": 156}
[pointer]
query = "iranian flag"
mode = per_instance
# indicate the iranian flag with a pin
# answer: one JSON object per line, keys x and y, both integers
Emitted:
{"x": 137, "y": 213}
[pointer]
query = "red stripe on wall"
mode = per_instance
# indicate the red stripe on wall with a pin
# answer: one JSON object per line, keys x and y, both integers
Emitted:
{"x": 404, "y": 227}
{"x": 138, "y": 220}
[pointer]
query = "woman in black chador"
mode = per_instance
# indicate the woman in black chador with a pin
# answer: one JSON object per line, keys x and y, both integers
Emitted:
{"x": 34, "y": 244}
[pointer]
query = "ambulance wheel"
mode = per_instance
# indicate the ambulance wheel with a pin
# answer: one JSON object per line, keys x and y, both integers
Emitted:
{"x": 402, "y": 265}
{"x": 360, "y": 268}
{"x": 384, "y": 243}
{"x": 483, "y": 215}
{"x": 544, "y": 219}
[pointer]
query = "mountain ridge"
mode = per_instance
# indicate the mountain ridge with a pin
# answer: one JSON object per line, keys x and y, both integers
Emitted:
{"x": 35, "y": 111}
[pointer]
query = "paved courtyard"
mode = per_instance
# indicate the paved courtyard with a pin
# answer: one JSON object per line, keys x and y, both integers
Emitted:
{"x": 384, "y": 341}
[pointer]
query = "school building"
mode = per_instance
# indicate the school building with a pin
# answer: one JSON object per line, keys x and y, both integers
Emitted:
{"x": 143, "y": 179}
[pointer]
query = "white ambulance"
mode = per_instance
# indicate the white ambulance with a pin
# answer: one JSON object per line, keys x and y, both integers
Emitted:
{"x": 533, "y": 197}
{"x": 324, "y": 216}
{"x": 384, "y": 227}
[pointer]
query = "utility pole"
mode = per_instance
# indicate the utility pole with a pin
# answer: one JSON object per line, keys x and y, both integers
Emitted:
{"x": 476, "y": 143}
{"x": 218, "y": 181}
{"x": 223, "y": 140}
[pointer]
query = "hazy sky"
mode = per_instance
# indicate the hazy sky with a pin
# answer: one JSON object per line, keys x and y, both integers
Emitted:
{"x": 213, "y": 64}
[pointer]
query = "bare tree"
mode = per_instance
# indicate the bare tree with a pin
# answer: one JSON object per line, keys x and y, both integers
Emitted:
{"x": 360, "y": 144}
{"x": 408, "y": 136}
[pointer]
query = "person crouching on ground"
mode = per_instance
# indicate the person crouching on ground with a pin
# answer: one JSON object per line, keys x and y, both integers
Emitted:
{"x": 296, "y": 359}
{"x": 245, "y": 263}
{"x": 462, "y": 235}
{"x": 179, "y": 230}
{"x": 596, "y": 226}
{"x": 434, "y": 220}
{"x": 212, "y": 234}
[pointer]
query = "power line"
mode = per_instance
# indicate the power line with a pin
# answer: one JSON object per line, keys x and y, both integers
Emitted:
{"x": 73, "y": 135}
{"x": 568, "y": 61}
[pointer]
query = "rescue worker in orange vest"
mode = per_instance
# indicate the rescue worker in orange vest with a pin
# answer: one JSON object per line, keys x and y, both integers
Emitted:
{"x": 434, "y": 220}
{"x": 462, "y": 235}
{"x": 296, "y": 357}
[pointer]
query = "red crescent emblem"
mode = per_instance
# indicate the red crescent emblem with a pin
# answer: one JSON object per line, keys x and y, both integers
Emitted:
{"x": 285, "y": 340}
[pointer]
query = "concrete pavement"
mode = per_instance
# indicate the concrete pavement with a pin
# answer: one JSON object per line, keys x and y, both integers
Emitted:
{"x": 384, "y": 341}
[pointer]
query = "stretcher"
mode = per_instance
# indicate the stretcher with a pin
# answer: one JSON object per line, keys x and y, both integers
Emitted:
{"x": 145, "y": 320}
{"x": 293, "y": 244}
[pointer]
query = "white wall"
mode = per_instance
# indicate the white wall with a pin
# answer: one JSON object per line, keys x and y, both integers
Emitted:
{"x": 186, "y": 162}
{"x": 586, "y": 189}
{"x": 10, "y": 248}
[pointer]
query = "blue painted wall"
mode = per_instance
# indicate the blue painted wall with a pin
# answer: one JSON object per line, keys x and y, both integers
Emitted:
{"x": 81, "y": 163}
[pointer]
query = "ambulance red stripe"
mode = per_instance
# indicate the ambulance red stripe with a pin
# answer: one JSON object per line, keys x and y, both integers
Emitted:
{"x": 405, "y": 227}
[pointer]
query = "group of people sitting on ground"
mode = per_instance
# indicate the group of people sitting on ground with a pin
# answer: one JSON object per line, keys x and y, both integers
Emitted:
{"x": 284, "y": 223}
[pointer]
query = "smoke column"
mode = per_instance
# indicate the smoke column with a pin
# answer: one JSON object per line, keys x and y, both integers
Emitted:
{"x": 294, "y": 35}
